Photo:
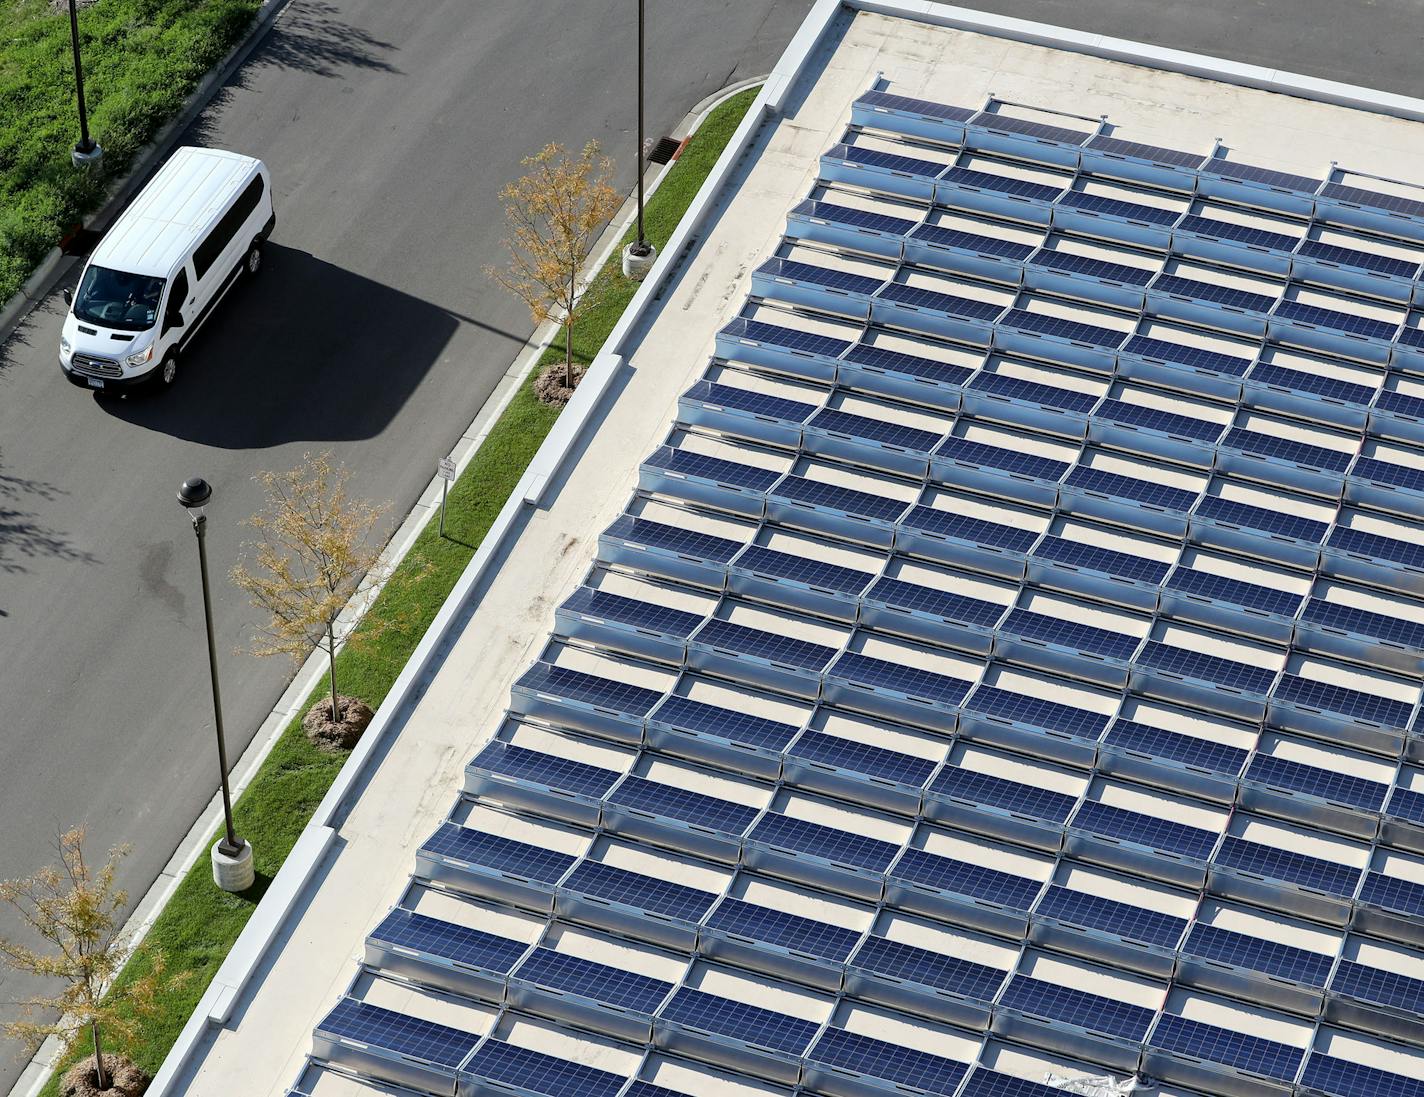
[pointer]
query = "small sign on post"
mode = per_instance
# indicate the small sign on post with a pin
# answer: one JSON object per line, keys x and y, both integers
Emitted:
{"x": 446, "y": 470}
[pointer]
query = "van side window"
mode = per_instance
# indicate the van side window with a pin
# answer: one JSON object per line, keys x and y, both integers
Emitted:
{"x": 177, "y": 295}
{"x": 223, "y": 232}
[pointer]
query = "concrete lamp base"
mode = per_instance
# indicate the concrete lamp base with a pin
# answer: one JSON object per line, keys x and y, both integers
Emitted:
{"x": 636, "y": 266}
{"x": 86, "y": 158}
{"x": 233, "y": 871}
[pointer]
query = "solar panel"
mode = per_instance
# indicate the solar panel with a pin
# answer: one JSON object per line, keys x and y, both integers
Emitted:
{"x": 740, "y": 727}
{"x": 1114, "y": 207}
{"x": 889, "y": 161}
{"x": 1222, "y": 1045}
{"x": 760, "y": 332}
{"x": 1313, "y": 781}
{"x": 1119, "y": 565}
{"x": 791, "y": 931}
{"x": 1410, "y": 207}
{"x": 974, "y": 530}
{"x": 1355, "y": 257}
{"x": 1371, "y": 984}
{"x": 1242, "y": 234}
{"x": 1375, "y": 545}
{"x": 986, "y": 790}
{"x": 912, "y": 681}
{"x": 684, "y": 542}
{"x": 1218, "y": 294}
{"x": 894, "y": 361}
{"x": 1347, "y": 1079}
{"x": 526, "y": 1069}
{"x": 1236, "y": 591}
{"x": 1092, "y": 268}
{"x": 757, "y": 403}
{"x": 983, "y": 454}
{"x": 786, "y": 650}
{"x": 636, "y": 890}
{"x": 1348, "y": 702}
{"x": 699, "y": 809}
{"x": 1283, "y": 864}
{"x": 1077, "y": 1007}
{"x": 539, "y": 768}
{"x": 575, "y": 685}
{"x": 904, "y": 1066}
{"x": 1171, "y": 745}
{"x": 971, "y": 241}
{"x": 422, "y": 1040}
{"x": 1266, "y": 374}
{"x": 856, "y": 218}
{"x": 1169, "y": 157}
{"x": 990, "y": 1083}
{"x": 1036, "y": 712}
{"x": 473, "y": 947}
{"x": 990, "y": 885}
{"x": 1164, "y": 422}
{"x": 1400, "y": 404}
{"x": 957, "y": 608}
{"x": 820, "y": 276}
{"x": 816, "y": 840}
{"x": 575, "y": 975}
{"x": 770, "y": 563}
{"x": 950, "y": 303}
{"x": 1182, "y": 355}
{"x": 1392, "y": 893}
{"x": 1116, "y": 486}
{"x": 1073, "y": 330}
{"x": 1337, "y": 321}
{"x": 1206, "y": 668}
{"x": 983, "y": 180}
{"x": 1232, "y": 513}
{"x": 1246, "y": 173}
{"x": 500, "y": 854}
{"x": 1286, "y": 449}
{"x": 1009, "y": 124}
{"x": 876, "y": 430}
{"x": 740, "y": 1021}
{"x": 1034, "y": 392}
{"x": 835, "y": 497}
{"x": 915, "y": 106}
{"x": 1144, "y": 830}
{"x": 1411, "y": 337}
{"x": 1069, "y": 634}
{"x": 632, "y": 611}
{"x": 718, "y": 470}
{"x": 1406, "y": 804}
{"x": 1270, "y": 957}
{"x": 899, "y": 960}
{"x": 1150, "y": 927}
{"x": 1384, "y": 472}
{"x": 879, "y": 762}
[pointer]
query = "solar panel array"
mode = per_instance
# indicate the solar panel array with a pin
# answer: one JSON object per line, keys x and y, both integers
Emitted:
{"x": 1067, "y": 702}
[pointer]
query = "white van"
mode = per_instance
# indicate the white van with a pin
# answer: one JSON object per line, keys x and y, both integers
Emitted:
{"x": 162, "y": 268}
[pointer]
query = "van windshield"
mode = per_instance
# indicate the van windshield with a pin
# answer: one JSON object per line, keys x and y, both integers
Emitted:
{"x": 117, "y": 299}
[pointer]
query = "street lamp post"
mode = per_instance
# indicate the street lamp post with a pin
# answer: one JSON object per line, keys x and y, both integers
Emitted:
{"x": 232, "y": 857}
{"x": 88, "y": 151}
{"x": 638, "y": 256}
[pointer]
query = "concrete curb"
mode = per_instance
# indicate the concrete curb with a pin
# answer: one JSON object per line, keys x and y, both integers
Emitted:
{"x": 56, "y": 264}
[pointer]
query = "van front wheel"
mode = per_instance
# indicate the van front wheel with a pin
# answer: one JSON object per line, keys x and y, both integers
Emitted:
{"x": 253, "y": 263}
{"x": 168, "y": 371}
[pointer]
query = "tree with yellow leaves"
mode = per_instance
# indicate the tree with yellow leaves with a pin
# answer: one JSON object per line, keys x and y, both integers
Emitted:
{"x": 77, "y": 909}
{"x": 554, "y": 215}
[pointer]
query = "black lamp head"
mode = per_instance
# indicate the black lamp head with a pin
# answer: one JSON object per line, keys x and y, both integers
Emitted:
{"x": 195, "y": 493}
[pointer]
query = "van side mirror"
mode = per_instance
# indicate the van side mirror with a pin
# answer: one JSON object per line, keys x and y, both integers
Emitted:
{"x": 68, "y": 297}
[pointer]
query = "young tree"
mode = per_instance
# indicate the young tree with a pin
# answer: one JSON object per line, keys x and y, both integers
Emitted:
{"x": 554, "y": 215}
{"x": 312, "y": 556}
{"x": 77, "y": 910}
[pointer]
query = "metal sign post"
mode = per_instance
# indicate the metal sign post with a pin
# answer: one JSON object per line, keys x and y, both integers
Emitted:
{"x": 447, "y": 473}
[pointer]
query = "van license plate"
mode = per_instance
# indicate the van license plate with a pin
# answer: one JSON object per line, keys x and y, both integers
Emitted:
{"x": 96, "y": 382}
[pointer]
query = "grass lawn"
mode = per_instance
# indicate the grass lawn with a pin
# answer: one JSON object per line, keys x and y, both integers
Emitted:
{"x": 141, "y": 60}
{"x": 201, "y": 923}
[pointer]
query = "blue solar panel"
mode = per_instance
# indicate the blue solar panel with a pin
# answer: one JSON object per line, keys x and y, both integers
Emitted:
{"x": 684, "y": 542}
{"x": 1009, "y": 124}
{"x": 522, "y": 1068}
{"x": 873, "y": 158}
{"x": 975, "y": 530}
{"x": 1392, "y": 893}
{"x": 983, "y": 180}
{"x": 1347, "y": 1079}
{"x": 602, "y": 983}
{"x": 1285, "y": 449}
{"x": 636, "y": 890}
{"x": 990, "y": 1083}
{"x": 1233, "y": 513}
{"x": 1034, "y": 711}
{"x": 1095, "y": 912}
{"x": 1300, "y": 381}
{"x": 1169, "y": 157}
{"x": 1354, "y": 257}
{"x": 1246, "y": 173}
{"x": 912, "y": 681}
{"x": 982, "y": 454}
{"x": 1144, "y": 830}
{"x": 493, "y": 852}
{"x": 1207, "y": 668}
{"x": 1406, "y": 804}
{"x": 1120, "y": 565}
{"x": 906, "y": 1067}
{"x": 894, "y": 361}
{"x": 1077, "y": 1007}
{"x": 761, "y": 332}
{"x": 1400, "y": 404}
{"x": 1217, "y": 293}
{"x": 472, "y": 947}
{"x": 820, "y": 276}
{"x": 1114, "y": 207}
{"x": 800, "y": 836}
{"x": 1411, "y": 337}
{"x": 535, "y": 766}
{"x": 1316, "y": 316}
{"x": 1347, "y": 702}
{"x": 1385, "y": 472}
{"x": 1171, "y": 745}
{"x": 1236, "y": 591}
{"x": 699, "y": 809}
{"x": 791, "y": 931}
{"x": 1371, "y": 984}
{"x": 915, "y": 106}
{"x": 941, "y": 603}
{"x": 1069, "y": 634}
{"x": 968, "y": 307}
{"x": 785, "y": 650}
{"x": 1164, "y": 422}
{"x": 1283, "y": 864}
{"x": 861, "y": 219}
{"x": 880, "y": 762}
{"x": 720, "y": 471}
{"x": 740, "y": 1021}
{"x": 1358, "y": 195}
{"x": 988, "y": 884}
{"x": 740, "y": 727}
{"x": 757, "y": 403}
{"x": 835, "y": 497}
{"x": 932, "y": 969}
{"x": 632, "y": 611}
{"x": 1221, "y": 1045}
{"x": 1197, "y": 357}
{"x": 876, "y": 430}
{"x": 1092, "y": 268}
{"x": 575, "y": 685}
{"x": 1271, "y": 957}
{"x": 769, "y": 563}
{"x": 418, "y": 1039}
{"x": 1034, "y": 392}
{"x": 1073, "y": 330}
{"x": 989, "y": 791}
{"x": 1327, "y": 784}
{"x": 971, "y": 241}
{"x": 1244, "y": 234}
{"x": 1116, "y": 486}
{"x": 1376, "y": 546}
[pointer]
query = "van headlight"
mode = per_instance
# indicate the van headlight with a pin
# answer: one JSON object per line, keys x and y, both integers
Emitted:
{"x": 140, "y": 358}
{"x": 65, "y": 345}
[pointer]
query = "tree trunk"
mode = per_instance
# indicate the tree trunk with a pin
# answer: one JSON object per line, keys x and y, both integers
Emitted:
{"x": 331, "y": 659}
{"x": 101, "y": 1076}
{"x": 569, "y": 351}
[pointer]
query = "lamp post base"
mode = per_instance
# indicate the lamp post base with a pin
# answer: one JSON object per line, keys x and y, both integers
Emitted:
{"x": 635, "y": 265}
{"x": 87, "y": 157}
{"x": 233, "y": 871}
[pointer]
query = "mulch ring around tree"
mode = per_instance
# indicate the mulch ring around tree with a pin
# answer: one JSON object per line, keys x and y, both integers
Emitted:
{"x": 549, "y": 386}
{"x": 334, "y": 735}
{"x": 128, "y": 1080}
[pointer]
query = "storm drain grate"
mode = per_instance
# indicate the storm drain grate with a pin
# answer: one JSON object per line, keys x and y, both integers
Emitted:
{"x": 665, "y": 149}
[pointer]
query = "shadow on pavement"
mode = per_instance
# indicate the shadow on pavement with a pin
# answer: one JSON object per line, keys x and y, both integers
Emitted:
{"x": 22, "y": 535}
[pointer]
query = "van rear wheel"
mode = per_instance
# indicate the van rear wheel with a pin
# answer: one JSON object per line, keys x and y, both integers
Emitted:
{"x": 253, "y": 263}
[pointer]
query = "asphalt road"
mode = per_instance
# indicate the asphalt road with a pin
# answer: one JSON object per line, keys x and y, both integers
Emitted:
{"x": 389, "y": 129}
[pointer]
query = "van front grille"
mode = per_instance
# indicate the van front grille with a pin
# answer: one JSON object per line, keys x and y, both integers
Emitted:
{"x": 94, "y": 366}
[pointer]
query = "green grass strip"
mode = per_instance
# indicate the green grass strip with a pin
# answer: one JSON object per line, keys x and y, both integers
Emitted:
{"x": 200, "y": 923}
